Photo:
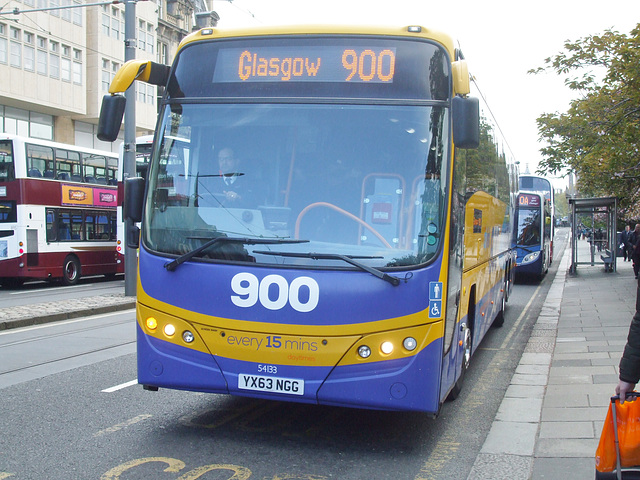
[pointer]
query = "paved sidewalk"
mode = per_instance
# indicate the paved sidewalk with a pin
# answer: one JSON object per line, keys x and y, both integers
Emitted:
{"x": 549, "y": 423}
{"x": 27, "y": 315}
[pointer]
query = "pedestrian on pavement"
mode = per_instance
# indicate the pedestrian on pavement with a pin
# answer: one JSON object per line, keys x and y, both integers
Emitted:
{"x": 635, "y": 249}
{"x": 630, "y": 361}
{"x": 625, "y": 241}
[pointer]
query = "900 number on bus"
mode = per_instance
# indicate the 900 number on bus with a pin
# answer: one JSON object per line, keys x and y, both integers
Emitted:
{"x": 290, "y": 386}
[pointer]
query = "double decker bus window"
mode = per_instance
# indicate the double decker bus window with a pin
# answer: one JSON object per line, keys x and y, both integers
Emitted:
{"x": 7, "y": 168}
{"x": 40, "y": 159}
{"x": 8, "y": 212}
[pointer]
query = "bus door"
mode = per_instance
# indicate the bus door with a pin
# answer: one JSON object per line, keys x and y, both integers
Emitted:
{"x": 32, "y": 247}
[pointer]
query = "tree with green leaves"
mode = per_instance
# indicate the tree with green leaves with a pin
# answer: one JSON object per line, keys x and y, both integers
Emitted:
{"x": 598, "y": 138}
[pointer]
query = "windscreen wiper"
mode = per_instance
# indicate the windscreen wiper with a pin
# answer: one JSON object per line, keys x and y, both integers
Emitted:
{"x": 525, "y": 249}
{"x": 351, "y": 259}
{"x": 171, "y": 266}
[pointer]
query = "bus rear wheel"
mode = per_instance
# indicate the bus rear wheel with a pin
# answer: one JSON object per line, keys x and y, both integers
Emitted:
{"x": 70, "y": 270}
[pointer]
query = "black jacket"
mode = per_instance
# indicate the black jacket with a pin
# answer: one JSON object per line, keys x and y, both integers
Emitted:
{"x": 630, "y": 361}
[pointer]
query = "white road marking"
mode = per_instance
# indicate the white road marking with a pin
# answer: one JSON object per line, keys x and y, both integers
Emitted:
{"x": 121, "y": 386}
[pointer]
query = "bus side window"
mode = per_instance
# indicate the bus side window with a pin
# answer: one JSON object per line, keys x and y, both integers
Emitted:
{"x": 64, "y": 226}
{"x": 39, "y": 160}
{"x": 89, "y": 225}
{"x": 52, "y": 226}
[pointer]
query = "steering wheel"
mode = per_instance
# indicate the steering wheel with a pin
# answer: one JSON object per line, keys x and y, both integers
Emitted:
{"x": 311, "y": 206}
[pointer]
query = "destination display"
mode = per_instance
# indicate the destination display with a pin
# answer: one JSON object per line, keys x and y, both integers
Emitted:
{"x": 333, "y": 64}
{"x": 528, "y": 200}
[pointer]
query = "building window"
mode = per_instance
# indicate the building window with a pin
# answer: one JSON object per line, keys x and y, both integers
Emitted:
{"x": 151, "y": 94}
{"x": 16, "y": 121}
{"x": 42, "y": 56}
{"x": 150, "y": 38}
{"x": 40, "y": 126}
{"x": 55, "y": 3}
{"x": 16, "y": 54}
{"x": 4, "y": 45}
{"x": 142, "y": 92}
{"x": 77, "y": 13}
{"x": 29, "y": 52}
{"x": 77, "y": 73}
{"x": 142, "y": 35}
{"x": 66, "y": 12}
{"x": 106, "y": 22}
{"x": 29, "y": 58}
{"x": 115, "y": 28}
{"x": 65, "y": 69}
{"x": 3, "y": 50}
{"x": 42, "y": 62}
{"x": 54, "y": 60}
{"x": 115, "y": 24}
{"x": 106, "y": 75}
{"x": 163, "y": 56}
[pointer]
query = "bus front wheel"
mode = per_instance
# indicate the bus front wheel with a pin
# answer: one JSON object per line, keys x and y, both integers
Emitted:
{"x": 466, "y": 358}
{"x": 70, "y": 270}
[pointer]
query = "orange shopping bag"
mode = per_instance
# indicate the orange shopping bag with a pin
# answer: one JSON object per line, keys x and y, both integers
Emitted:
{"x": 619, "y": 446}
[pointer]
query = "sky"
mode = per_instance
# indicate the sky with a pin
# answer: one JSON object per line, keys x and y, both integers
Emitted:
{"x": 501, "y": 40}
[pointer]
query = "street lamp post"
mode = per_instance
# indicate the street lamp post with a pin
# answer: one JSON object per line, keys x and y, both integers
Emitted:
{"x": 129, "y": 158}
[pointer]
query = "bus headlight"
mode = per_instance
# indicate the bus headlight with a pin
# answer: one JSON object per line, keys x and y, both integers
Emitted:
{"x": 530, "y": 257}
{"x": 386, "y": 348}
{"x": 364, "y": 351}
{"x": 169, "y": 330}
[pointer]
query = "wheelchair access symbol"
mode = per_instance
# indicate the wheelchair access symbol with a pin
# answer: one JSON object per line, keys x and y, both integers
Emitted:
{"x": 435, "y": 299}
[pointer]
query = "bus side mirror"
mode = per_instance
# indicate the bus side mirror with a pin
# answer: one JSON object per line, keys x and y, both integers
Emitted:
{"x": 133, "y": 199}
{"x": 466, "y": 122}
{"x": 111, "y": 114}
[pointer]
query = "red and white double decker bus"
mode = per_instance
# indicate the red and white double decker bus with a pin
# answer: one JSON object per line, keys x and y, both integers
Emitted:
{"x": 144, "y": 144}
{"x": 57, "y": 211}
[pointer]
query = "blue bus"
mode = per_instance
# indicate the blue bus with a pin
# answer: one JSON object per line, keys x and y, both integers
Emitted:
{"x": 532, "y": 235}
{"x": 326, "y": 219}
{"x": 537, "y": 183}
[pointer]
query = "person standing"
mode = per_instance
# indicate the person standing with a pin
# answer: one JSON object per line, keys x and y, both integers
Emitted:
{"x": 630, "y": 362}
{"x": 625, "y": 239}
{"x": 635, "y": 249}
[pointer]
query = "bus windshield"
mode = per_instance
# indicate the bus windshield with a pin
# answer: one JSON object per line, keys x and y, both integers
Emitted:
{"x": 528, "y": 227}
{"x": 366, "y": 181}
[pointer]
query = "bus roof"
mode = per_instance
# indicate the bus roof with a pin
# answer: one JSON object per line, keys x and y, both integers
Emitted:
{"x": 412, "y": 31}
{"x": 54, "y": 144}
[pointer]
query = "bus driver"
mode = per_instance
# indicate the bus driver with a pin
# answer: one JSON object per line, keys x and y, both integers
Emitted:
{"x": 237, "y": 193}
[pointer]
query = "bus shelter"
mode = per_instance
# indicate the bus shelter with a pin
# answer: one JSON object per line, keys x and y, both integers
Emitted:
{"x": 601, "y": 250}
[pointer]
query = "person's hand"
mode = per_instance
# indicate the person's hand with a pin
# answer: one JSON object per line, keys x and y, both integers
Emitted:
{"x": 623, "y": 388}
